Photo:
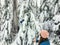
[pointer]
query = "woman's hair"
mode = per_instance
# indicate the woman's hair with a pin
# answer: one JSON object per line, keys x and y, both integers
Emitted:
{"x": 42, "y": 40}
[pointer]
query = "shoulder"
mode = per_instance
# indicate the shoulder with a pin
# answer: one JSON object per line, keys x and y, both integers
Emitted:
{"x": 45, "y": 43}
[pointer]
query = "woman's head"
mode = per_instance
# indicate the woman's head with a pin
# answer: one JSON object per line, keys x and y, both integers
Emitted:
{"x": 44, "y": 33}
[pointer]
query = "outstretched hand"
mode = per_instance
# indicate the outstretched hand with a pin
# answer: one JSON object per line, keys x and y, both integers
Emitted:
{"x": 34, "y": 40}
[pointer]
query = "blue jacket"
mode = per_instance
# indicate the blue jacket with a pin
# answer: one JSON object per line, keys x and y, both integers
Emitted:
{"x": 46, "y": 42}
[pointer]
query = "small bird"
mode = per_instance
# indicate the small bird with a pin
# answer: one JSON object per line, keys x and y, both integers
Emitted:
{"x": 22, "y": 21}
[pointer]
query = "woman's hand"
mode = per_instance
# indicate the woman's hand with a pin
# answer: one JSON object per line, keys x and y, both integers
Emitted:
{"x": 34, "y": 40}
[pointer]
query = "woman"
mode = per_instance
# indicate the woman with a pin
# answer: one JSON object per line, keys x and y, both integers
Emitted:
{"x": 43, "y": 38}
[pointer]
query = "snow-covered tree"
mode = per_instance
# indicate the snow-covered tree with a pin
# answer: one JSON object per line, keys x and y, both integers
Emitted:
{"x": 21, "y": 21}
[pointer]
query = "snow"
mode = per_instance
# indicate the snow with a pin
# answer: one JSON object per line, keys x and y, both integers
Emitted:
{"x": 35, "y": 16}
